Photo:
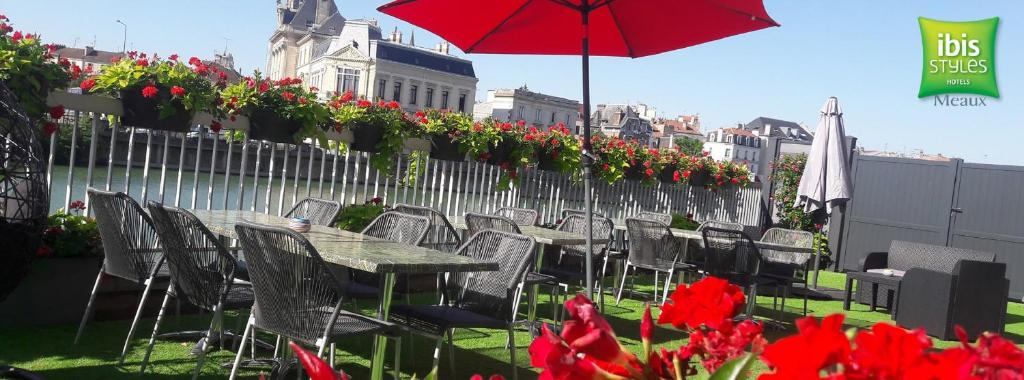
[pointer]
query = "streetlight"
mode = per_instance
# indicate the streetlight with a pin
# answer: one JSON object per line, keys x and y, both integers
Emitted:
{"x": 124, "y": 44}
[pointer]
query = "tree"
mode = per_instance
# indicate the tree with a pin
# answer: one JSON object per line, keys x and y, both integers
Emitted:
{"x": 688, "y": 145}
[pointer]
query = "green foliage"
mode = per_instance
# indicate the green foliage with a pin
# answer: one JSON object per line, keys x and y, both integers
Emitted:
{"x": 356, "y": 217}
{"x": 684, "y": 222}
{"x": 71, "y": 235}
{"x": 347, "y": 112}
{"x": 557, "y": 145}
{"x": 287, "y": 98}
{"x": 194, "y": 85}
{"x": 739, "y": 368}
{"x": 488, "y": 135}
{"x": 786, "y": 174}
{"x": 688, "y": 146}
{"x": 27, "y": 68}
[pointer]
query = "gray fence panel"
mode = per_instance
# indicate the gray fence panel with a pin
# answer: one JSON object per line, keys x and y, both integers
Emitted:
{"x": 992, "y": 216}
{"x": 896, "y": 199}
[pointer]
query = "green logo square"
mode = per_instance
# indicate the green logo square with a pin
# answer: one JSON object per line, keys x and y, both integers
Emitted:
{"x": 959, "y": 57}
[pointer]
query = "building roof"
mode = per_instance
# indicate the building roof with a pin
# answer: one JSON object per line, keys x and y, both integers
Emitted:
{"x": 525, "y": 92}
{"x": 305, "y": 18}
{"x": 88, "y": 54}
{"x": 780, "y": 128}
{"x": 682, "y": 127}
{"x": 429, "y": 59}
{"x": 738, "y": 132}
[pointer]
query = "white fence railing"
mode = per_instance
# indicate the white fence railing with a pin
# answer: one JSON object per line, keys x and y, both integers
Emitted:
{"x": 205, "y": 170}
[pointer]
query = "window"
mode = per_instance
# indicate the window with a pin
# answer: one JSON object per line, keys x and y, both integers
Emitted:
{"x": 755, "y": 157}
{"x": 552, "y": 117}
{"x": 728, "y": 138}
{"x": 444, "y": 99}
{"x": 348, "y": 80}
{"x": 397, "y": 94}
{"x": 522, "y": 112}
{"x": 430, "y": 97}
{"x": 537, "y": 116}
{"x": 728, "y": 153}
{"x": 462, "y": 102}
{"x": 413, "y": 93}
{"x": 382, "y": 86}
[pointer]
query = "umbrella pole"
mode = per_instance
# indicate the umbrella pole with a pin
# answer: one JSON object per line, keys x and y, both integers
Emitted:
{"x": 586, "y": 159}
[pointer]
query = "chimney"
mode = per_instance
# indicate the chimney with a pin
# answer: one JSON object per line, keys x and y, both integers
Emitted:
{"x": 396, "y": 36}
{"x": 443, "y": 47}
{"x": 89, "y": 50}
{"x": 767, "y": 129}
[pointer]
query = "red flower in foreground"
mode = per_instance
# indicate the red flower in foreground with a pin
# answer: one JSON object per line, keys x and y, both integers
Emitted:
{"x": 87, "y": 84}
{"x": 707, "y": 302}
{"x": 887, "y": 352}
{"x": 77, "y": 206}
{"x": 288, "y": 96}
{"x": 215, "y": 126}
{"x": 149, "y": 91}
{"x": 717, "y": 346}
{"x": 49, "y": 128}
{"x": 805, "y": 355}
{"x": 315, "y": 367}
{"x": 57, "y": 112}
{"x": 558, "y": 361}
{"x": 492, "y": 377}
{"x": 363, "y": 103}
{"x": 347, "y": 96}
{"x": 177, "y": 91}
{"x": 44, "y": 251}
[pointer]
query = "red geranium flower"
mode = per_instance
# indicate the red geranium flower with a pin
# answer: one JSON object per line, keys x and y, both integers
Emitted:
{"x": 707, "y": 302}
{"x": 173, "y": 57}
{"x": 315, "y": 367}
{"x": 44, "y": 251}
{"x": 87, "y": 84}
{"x": 803, "y": 356}
{"x": 347, "y": 96}
{"x": 149, "y": 91}
{"x": 557, "y": 361}
{"x": 363, "y": 103}
{"x": 177, "y": 91}
{"x": 49, "y": 128}
{"x": 77, "y": 205}
{"x": 887, "y": 352}
{"x": 57, "y": 112}
{"x": 142, "y": 62}
{"x": 215, "y": 126}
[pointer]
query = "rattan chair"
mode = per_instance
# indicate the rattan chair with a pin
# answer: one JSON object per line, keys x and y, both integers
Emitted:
{"x": 665, "y": 219}
{"x": 567, "y": 212}
{"x": 789, "y": 274}
{"x": 652, "y": 247}
{"x": 721, "y": 225}
{"x": 131, "y": 251}
{"x": 570, "y": 266}
{"x": 441, "y": 235}
{"x": 297, "y": 296}
{"x": 477, "y": 299}
{"x": 393, "y": 226}
{"x": 321, "y": 212}
{"x": 202, "y": 273}
{"x": 733, "y": 255}
{"x": 522, "y": 216}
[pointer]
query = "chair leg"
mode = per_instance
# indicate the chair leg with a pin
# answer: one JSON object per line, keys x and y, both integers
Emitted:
{"x": 135, "y": 321}
{"x": 782, "y": 309}
{"x": 806, "y": 294}
{"x": 668, "y": 284}
{"x": 655, "y": 295}
{"x": 451, "y": 351}
{"x": 332, "y": 354}
{"x": 156, "y": 329}
{"x": 398, "y": 357}
{"x": 241, "y": 348}
{"x": 215, "y": 328}
{"x": 625, "y": 273}
{"x": 512, "y": 352}
{"x": 437, "y": 352}
{"x": 89, "y": 307}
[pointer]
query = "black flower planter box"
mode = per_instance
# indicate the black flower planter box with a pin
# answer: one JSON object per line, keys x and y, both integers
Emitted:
{"x": 699, "y": 178}
{"x": 443, "y": 148}
{"x": 501, "y": 153}
{"x": 267, "y": 125}
{"x": 668, "y": 174}
{"x": 143, "y": 112}
{"x": 546, "y": 162}
{"x": 635, "y": 173}
{"x": 54, "y": 291}
{"x": 365, "y": 137}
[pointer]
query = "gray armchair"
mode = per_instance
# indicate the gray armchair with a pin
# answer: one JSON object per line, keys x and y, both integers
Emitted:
{"x": 973, "y": 296}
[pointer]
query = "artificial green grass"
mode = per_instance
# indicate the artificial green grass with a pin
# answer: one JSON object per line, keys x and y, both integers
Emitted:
{"x": 49, "y": 350}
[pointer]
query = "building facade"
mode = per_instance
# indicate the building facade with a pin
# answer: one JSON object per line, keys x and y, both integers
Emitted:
{"x": 315, "y": 43}
{"x": 735, "y": 144}
{"x": 87, "y": 57}
{"x": 621, "y": 120}
{"x": 533, "y": 107}
{"x": 667, "y": 130}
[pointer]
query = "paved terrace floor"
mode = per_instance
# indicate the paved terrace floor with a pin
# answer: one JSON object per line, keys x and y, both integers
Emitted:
{"x": 48, "y": 350}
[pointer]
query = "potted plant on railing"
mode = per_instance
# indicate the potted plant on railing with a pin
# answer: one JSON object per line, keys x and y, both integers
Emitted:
{"x": 444, "y": 130}
{"x": 28, "y": 69}
{"x": 643, "y": 163}
{"x": 672, "y": 164}
{"x": 281, "y": 111}
{"x": 557, "y": 149}
{"x": 612, "y": 160}
{"x": 377, "y": 128}
{"x": 157, "y": 93}
{"x": 500, "y": 143}
{"x": 698, "y": 172}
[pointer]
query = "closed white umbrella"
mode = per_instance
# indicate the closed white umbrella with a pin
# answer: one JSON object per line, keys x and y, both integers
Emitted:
{"x": 825, "y": 182}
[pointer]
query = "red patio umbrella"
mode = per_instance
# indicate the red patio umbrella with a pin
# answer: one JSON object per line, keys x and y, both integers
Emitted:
{"x": 620, "y": 28}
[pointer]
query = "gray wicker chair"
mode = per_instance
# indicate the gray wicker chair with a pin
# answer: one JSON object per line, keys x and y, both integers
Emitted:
{"x": 297, "y": 295}
{"x": 478, "y": 299}
{"x": 665, "y": 219}
{"x": 570, "y": 264}
{"x": 441, "y": 235}
{"x": 202, "y": 272}
{"x": 789, "y": 274}
{"x": 652, "y": 247}
{"x": 479, "y": 222}
{"x": 321, "y": 212}
{"x": 567, "y": 212}
{"x": 131, "y": 251}
{"x": 721, "y": 225}
{"x": 392, "y": 226}
{"x": 733, "y": 255}
{"x": 522, "y": 216}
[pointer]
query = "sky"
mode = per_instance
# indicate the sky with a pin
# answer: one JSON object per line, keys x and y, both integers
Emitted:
{"x": 867, "y": 53}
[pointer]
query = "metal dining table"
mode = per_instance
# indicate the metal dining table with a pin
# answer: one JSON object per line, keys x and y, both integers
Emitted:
{"x": 358, "y": 251}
